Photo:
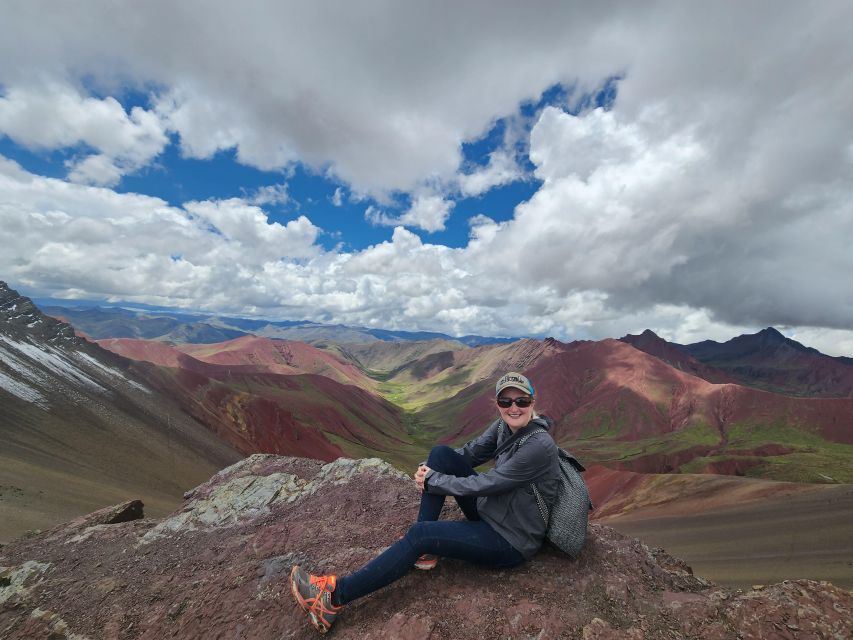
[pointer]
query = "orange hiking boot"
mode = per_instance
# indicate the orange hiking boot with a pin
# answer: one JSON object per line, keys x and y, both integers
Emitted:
{"x": 314, "y": 595}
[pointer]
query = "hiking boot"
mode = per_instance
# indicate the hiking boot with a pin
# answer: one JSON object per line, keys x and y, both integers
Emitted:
{"x": 314, "y": 595}
{"x": 426, "y": 562}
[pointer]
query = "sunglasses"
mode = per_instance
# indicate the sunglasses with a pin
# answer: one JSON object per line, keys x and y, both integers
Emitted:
{"x": 523, "y": 402}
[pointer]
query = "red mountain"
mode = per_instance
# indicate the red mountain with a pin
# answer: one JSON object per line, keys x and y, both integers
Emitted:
{"x": 148, "y": 350}
{"x": 615, "y": 404}
{"x": 262, "y": 395}
{"x": 304, "y": 415}
{"x": 675, "y": 356}
{"x": 285, "y": 357}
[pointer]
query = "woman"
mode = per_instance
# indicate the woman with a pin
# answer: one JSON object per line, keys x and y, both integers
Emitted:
{"x": 503, "y": 528}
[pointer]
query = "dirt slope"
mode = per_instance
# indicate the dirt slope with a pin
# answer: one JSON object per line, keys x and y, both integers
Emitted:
{"x": 806, "y": 534}
{"x": 81, "y": 427}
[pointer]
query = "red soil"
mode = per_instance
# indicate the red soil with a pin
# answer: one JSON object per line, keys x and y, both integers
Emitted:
{"x": 147, "y": 350}
{"x": 656, "y": 346}
{"x": 248, "y": 353}
{"x": 271, "y": 413}
{"x": 612, "y": 388}
{"x": 286, "y": 357}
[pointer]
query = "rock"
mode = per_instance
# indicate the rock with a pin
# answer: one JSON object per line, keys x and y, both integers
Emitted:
{"x": 16, "y": 582}
{"x": 218, "y": 567}
{"x": 124, "y": 512}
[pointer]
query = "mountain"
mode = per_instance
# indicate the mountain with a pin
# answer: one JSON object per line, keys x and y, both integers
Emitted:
{"x": 675, "y": 356}
{"x": 80, "y": 426}
{"x": 612, "y": 402}
{"x": 112, "y": 322}
{"x": 262, "y": 355}
{"x": 469, "y": 340}
{"x": 621, "y": 407}
{"x": 442, "y": 375}
{"x": 770, "y": 361}
{"x": 116, "y": 322}
{"x": 382, "y": 359}
{"x": 219, "y": 566}
{"x": 276, "y": 396}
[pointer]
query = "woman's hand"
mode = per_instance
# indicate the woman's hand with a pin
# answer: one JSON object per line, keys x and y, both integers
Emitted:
{"x": 420, "y": 476}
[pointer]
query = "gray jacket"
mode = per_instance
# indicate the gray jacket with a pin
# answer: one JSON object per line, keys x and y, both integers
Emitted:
{"x": 505, "y": 499}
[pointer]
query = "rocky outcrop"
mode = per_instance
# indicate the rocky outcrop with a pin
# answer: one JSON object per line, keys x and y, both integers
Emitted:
{"x": 20, "y": 318}
{"x": 218, "y": 567}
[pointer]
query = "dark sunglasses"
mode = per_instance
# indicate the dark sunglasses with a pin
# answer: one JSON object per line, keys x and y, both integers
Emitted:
{"x": 523, "y": 402}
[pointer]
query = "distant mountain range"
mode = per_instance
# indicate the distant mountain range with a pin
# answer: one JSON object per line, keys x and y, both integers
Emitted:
{"x": 116, "y": 322}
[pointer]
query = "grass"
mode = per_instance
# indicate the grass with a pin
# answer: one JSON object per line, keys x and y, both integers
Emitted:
{"x": 752, "y": 434}
{"x": 404, "y": 459}
{"x": 600, "y": 434}
{"x": 814, "y": 460}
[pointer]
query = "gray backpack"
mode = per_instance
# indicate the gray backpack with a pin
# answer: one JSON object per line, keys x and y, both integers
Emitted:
{"x": 569, "y": 515}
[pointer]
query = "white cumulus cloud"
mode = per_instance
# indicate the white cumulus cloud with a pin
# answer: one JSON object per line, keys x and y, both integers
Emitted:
{"x": 55, "y": 116}
{"x": 427, "y": 212}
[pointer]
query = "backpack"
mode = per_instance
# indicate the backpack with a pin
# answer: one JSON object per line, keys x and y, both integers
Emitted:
{"x": 569, "y": 515}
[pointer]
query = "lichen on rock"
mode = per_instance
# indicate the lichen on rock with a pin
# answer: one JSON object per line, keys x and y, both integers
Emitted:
{"x": 17, "y": 581}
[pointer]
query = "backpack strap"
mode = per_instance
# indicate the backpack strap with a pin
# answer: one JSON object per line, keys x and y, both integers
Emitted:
{"x": 516, "y": 437}
{"x": 540, "y": 501}
{"x": 527, "y": 437}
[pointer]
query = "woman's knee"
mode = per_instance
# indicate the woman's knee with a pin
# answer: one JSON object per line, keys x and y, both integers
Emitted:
{"x": 441, "y": 456}
{"x": 416, "y": 533}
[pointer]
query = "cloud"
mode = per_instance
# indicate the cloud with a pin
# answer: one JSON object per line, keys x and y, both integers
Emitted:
{"x": 55, "y": 116}
{"x": 501, "y": 169}
{"x": 66, "y": 237}
{"x": 355, "y": 89}
{"x": 338, "y": 197}
{"x": 379, "y": 218}
{"x": 651, "y": 216}
{"x": 714, "y": 194}
{"x": 427, "y": 212}
{"x": 270, "y": 194}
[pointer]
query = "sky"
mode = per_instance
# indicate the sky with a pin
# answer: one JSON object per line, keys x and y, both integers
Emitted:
{"x": 568, "y": 169}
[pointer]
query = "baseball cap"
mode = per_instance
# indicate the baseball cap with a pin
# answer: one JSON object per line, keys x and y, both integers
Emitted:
{"x": 515, "y": 380}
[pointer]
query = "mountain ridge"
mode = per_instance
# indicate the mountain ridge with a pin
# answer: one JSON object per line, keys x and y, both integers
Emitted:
{"x": 765, "y": 360}
{"x": 81, "y": 426}
{"x": 118, "y": 322}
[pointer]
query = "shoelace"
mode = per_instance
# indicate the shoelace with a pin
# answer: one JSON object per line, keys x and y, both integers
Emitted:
{"x": 321, "y": 582}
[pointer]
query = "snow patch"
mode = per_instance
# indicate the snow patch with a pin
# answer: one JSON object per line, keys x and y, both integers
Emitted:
{"x": 52, "y": 359}
{"x": 109, "y": 370}
{"x": 24, "y": 369}
{"x": 22, "y": 390}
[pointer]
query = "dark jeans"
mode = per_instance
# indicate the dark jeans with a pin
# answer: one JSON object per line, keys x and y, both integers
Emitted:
{"x": 472, "y": 539}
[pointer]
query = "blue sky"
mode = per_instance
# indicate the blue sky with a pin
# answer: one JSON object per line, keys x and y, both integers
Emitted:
{"x": 551, "y": 170}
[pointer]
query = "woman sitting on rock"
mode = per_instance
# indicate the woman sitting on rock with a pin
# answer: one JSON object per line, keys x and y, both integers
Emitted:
{"x": 503, "y": 526}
